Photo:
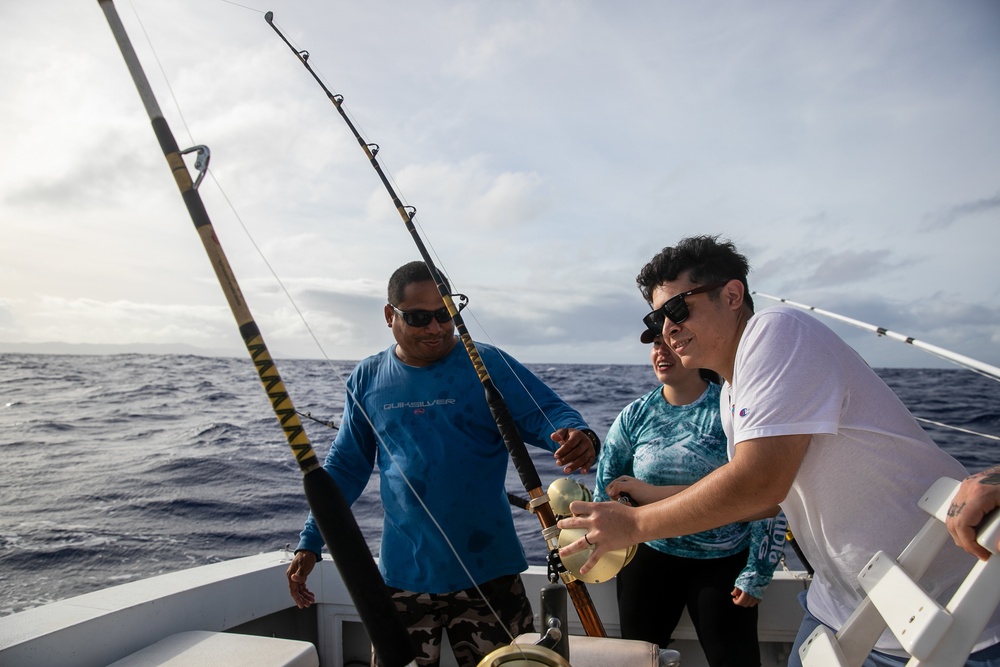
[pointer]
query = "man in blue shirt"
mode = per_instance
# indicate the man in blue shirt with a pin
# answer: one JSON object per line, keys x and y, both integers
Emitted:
{"x": 418, "y": 410}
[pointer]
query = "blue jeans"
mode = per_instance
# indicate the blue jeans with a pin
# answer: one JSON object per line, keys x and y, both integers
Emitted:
{"x": 988, "y": 657}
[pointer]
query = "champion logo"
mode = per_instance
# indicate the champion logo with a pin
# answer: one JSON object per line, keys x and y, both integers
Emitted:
{"x": 744, "y": 412}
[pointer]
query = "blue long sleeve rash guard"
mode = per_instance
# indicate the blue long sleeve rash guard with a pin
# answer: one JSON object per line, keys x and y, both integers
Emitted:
{"x": 436, "y": 428}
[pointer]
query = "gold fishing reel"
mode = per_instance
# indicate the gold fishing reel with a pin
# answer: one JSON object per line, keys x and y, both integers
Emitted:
{"x": 523, "y": 655}
{"x": 561, "y": 493}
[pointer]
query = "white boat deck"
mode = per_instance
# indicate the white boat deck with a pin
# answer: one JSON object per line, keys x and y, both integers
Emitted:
{"x": 250, "y": 595}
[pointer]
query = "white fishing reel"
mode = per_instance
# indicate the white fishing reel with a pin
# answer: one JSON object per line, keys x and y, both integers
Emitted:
{"x": 561, "y": 493}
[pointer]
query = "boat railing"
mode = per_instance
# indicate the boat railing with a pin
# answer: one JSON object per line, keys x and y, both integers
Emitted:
{"x": 936, "y": 635}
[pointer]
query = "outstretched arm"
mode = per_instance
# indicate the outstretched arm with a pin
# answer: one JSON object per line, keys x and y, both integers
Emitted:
{"x": 767, "y": 541}
{"x": 758, "y": 478}
{"x": 297, "y": 573}
{"x": 978, "y": 495}
{"x": 576, "y": 450}
{"x": 642, "y": 493}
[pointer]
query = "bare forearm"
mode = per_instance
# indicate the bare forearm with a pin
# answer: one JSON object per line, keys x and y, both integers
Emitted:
{"x": 757, "y": 479}
{"x": 725, "y": 496}
{"x": 750, "y": 486}
{"x": 641, "y": 493}
{"x": 766, "y": 514}
{"x": 978, "y": 495}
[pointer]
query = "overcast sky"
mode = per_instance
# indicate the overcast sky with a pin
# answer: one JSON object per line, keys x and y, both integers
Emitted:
{"x": 851, "y": 150}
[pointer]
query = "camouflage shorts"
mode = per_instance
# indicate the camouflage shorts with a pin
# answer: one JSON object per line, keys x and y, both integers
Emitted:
{"x": 473, "y": 630}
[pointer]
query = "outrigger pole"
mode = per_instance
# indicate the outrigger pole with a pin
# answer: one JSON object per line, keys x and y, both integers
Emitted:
{"x": 332, "y": 513}
{"x": 498, "y": 407}
{"x": 955, "y": 358}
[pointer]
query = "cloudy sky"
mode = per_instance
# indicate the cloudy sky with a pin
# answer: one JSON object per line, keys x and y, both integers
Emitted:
{"x": 551, "y": 147}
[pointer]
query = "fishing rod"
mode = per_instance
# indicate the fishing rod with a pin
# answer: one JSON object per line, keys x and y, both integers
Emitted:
{"x": 539, "y": 502}
{"x": 989, "y": 371}
{"x": 389, "y": 637}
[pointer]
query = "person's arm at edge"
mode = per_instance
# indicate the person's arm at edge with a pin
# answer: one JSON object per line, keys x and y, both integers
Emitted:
{"x": 309, "y": 549}
{"x": 642, "y": 493}
{"x": 350, "y": 473}
{"x": 613, "y": 460}
{"x": 578, "y": 449}
{"x": 767, "y": 540}
{"x": 978, "y": 495}
{"x": 760, "y": 475}
{"x": 535, "y": 408}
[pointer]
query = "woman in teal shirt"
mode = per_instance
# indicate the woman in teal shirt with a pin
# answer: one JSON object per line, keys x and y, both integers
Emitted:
{"x": 660, "y": 444}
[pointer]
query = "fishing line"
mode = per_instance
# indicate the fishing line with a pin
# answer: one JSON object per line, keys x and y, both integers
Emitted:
{"x": 333, "y": 516}
{"x": 379, "y": 436}
{"x": 512, "y": 372}
{"x": 232, "y": 207}
{"x": 504, "y": 419}
{"x": 957, "y": 428}
{"x": 383, "y": 441}
{"x": 163, "y": 72}
{"x": 974, "y": 365}
{"x": 402, "y": 197}
{"x": 230, "y": 2}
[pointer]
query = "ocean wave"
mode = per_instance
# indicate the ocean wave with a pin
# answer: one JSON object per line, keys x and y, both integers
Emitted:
{"x": 127, "y": 466}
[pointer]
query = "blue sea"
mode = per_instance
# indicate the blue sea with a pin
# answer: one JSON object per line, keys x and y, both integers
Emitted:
{"x": 119, "y": 467}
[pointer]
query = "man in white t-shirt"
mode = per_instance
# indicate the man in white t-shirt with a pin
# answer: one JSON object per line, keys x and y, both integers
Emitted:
{"x": 811, "y": 429}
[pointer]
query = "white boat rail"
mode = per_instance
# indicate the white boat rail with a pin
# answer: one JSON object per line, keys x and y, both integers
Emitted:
{"x": 935, "y": 635}
{"x": 988, "y": 370}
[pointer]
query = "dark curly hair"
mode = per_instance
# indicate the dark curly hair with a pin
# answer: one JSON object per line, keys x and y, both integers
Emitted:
{"x": 705, "y": 258}
{"x": 407, "y": 274}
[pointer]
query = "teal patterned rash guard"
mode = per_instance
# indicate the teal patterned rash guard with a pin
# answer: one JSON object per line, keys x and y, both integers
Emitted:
{"x": 666, "y": 445}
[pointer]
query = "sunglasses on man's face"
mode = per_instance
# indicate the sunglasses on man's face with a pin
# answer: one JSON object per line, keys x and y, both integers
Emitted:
{"x": 421, "y": 318}
{"x": 675, "y": 309}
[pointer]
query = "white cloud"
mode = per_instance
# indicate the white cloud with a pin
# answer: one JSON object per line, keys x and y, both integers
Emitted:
{"x": 550, "y": 148}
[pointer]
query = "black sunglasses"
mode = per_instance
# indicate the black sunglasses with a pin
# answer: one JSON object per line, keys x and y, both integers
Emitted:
{"x": 421, "y": 318}
{"x": 675, "y": 309}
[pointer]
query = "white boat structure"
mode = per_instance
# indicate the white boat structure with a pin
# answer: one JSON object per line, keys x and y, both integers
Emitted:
{"x": 239, "y": 612}
{"x": 242, "y": 608}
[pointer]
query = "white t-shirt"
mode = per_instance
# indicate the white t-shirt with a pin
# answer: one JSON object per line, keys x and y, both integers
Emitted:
{"x": 867, "y": 465}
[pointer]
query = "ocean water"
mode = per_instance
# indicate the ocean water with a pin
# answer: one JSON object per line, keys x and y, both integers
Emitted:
{"x": 114, "y": 468}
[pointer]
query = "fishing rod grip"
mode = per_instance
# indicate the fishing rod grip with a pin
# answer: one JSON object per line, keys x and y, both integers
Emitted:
{"x": 326, "y": 501}
{"x": 512, "y": 438}
{"x": 358, "y": 570}
{"x": 790, "y": 539}
{"x": 498, "y": 407}
{"x": 578, "y": 592}
{"x": 585, "y": 609}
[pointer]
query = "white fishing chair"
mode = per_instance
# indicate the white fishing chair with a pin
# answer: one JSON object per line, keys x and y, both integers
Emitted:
{"x": 933, "y": 635}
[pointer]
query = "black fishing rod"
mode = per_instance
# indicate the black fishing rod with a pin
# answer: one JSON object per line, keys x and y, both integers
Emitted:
{"x": 498, "y": 407}
{"x": 343, "y": 537}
